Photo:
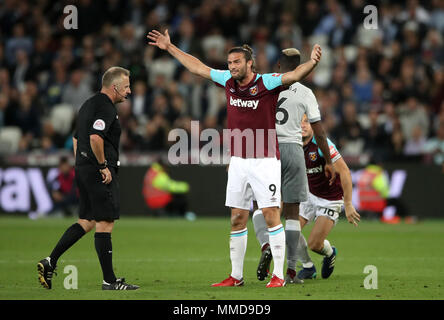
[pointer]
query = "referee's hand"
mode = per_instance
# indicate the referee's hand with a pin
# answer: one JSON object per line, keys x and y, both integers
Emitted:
{"x": 106, "y": 175}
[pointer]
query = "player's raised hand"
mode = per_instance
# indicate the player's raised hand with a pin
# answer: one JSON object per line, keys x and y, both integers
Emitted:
{"x": 162, "y": 41}
{"x": 316, "y": 54}
{"x": 352, "y": 216}
{"x": 330, "y": 173}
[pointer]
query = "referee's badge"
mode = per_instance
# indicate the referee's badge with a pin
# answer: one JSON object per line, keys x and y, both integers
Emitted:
{"x": 313, "y": 156}
{"x": 99, "y": 124}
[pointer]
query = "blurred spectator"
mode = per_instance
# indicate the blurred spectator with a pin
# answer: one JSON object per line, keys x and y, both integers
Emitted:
{"x": 437, "y": 17}
{"x": 412, "y": 115}
{"x": 185, "y": 38}
{"x": 4, "y": 104}
{"x": 310, "y": 17}
{"x": 140, "y": 100}
{"x": 77, "y": 90}
{"x": 18, "y": 42}
{"x": 349, "y": 132}
{"x": 156, "y": 133}
{"x": 376, "y": 138}
{"x": 203, "y": 99}
{"x": 397, "y": 142}
{"x": 362, "y": 87}
{"x": 434, "y": 147}
{"x": 27, "y": 118}
{"x": 63, "y": 190}
{"x": 336, "y": 25}
{"x": 56, "y": 83}
{"x": 414, "y": 145}
{"x": 22, "y": 70}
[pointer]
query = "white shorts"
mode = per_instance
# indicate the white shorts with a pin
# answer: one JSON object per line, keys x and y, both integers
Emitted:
{"x": 316, "y": 207}
{"x": 251, "y": 177}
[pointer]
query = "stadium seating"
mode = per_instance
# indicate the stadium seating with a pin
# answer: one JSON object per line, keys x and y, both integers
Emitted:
{"x": 9, "y": 139}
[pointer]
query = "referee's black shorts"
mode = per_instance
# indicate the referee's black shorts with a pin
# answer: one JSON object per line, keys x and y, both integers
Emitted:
{"x": 98, "y": 201}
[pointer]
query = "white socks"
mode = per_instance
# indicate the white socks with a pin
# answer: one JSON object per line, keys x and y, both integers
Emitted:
{"x": 238, "y": 246}
{"x": 327, "y": 250}
{"x": 277, "y": 245}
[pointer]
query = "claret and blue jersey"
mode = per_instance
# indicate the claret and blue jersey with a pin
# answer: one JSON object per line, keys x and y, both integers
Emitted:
{"x": 315, "y": 163}
{"x": 252, "y": 107}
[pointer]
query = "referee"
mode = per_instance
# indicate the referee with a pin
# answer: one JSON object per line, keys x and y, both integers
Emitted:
{"x": 96, "y": 149}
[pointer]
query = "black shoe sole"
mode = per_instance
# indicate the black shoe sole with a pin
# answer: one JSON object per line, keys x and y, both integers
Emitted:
{"x": 264, "y": 265}
{"x": 41, "y": 271}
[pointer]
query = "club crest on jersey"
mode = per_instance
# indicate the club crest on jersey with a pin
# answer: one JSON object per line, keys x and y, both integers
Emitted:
{"x": 313, "y": 156}
{"x": 254, "y": 90}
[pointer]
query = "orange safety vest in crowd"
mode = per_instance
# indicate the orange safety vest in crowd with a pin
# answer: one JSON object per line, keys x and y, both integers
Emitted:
{"x": 154, "y": 198}
{"x": 369, "y": 198}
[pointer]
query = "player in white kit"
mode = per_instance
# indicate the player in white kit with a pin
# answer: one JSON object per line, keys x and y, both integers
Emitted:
{"x": 254, "y": 168}
{"x": 292, "y": 104}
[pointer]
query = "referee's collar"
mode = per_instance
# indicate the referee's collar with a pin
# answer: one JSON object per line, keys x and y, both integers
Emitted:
{"x": 106, "y": 97}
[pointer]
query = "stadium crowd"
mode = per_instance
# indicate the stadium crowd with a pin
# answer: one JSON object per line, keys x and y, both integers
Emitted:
{"x": 380, "y": 91}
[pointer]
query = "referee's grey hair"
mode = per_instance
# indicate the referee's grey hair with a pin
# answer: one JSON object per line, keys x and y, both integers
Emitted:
{"x": 113, "y": 74}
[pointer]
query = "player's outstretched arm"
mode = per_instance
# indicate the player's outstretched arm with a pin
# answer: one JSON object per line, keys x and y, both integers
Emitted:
{"x": 194, "y": 65}
{"x": 303, "y": 70}
{"x": 344, "y": 173}
{"x": 321, "y": 141}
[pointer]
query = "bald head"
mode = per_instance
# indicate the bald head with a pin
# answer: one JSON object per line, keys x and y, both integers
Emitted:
{"x": 290, "y": 58}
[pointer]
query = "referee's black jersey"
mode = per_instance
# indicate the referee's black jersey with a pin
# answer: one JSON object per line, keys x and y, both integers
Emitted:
{"x": 98, "y": 115}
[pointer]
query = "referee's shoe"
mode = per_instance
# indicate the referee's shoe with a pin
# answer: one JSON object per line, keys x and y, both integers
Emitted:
{"x": 45, "y": 271}
{"x": 119, "y": 285}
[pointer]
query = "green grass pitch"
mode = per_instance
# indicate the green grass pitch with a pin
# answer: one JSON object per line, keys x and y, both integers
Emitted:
{"x": 175, "y": 259}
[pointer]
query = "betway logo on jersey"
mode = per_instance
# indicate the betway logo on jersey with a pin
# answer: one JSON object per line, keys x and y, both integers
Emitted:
{"x": 315, "y": 170}
{"x": 244, "y": 103}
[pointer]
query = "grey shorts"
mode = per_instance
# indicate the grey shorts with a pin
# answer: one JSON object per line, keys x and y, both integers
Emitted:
{"x": 294, "y": 182}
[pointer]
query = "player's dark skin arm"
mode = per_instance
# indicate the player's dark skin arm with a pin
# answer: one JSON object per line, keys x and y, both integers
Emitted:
{"x": 97, "y": 146}
{"x": 321, "y": 140}
{"x": 301, "y": 71}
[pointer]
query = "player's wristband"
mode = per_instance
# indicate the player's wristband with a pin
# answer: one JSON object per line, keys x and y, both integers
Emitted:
{"x": 103, "y": 165}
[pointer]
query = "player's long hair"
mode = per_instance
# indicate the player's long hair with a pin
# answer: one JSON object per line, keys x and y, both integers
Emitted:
{"x": 248, "y": 54}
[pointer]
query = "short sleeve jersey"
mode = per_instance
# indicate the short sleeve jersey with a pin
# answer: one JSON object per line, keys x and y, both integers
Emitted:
{"x": 97, "y": 115}
{"x": 292, "y": 104}
{"x": 251, "y": 109}
{"x": 318, "y": 183}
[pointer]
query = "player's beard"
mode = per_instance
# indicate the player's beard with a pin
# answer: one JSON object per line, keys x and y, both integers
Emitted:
{"x": 240, "y": 74}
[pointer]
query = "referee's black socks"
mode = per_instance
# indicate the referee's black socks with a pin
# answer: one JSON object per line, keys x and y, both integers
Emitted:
{"x": 104, "y": 250}
{"x": 71, "y": 236}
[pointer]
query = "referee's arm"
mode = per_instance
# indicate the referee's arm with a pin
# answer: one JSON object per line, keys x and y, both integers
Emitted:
{"x": 97, "y": 146}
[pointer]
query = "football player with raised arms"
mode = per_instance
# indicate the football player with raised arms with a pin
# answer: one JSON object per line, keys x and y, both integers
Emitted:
{"x": 255, "y": 168}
